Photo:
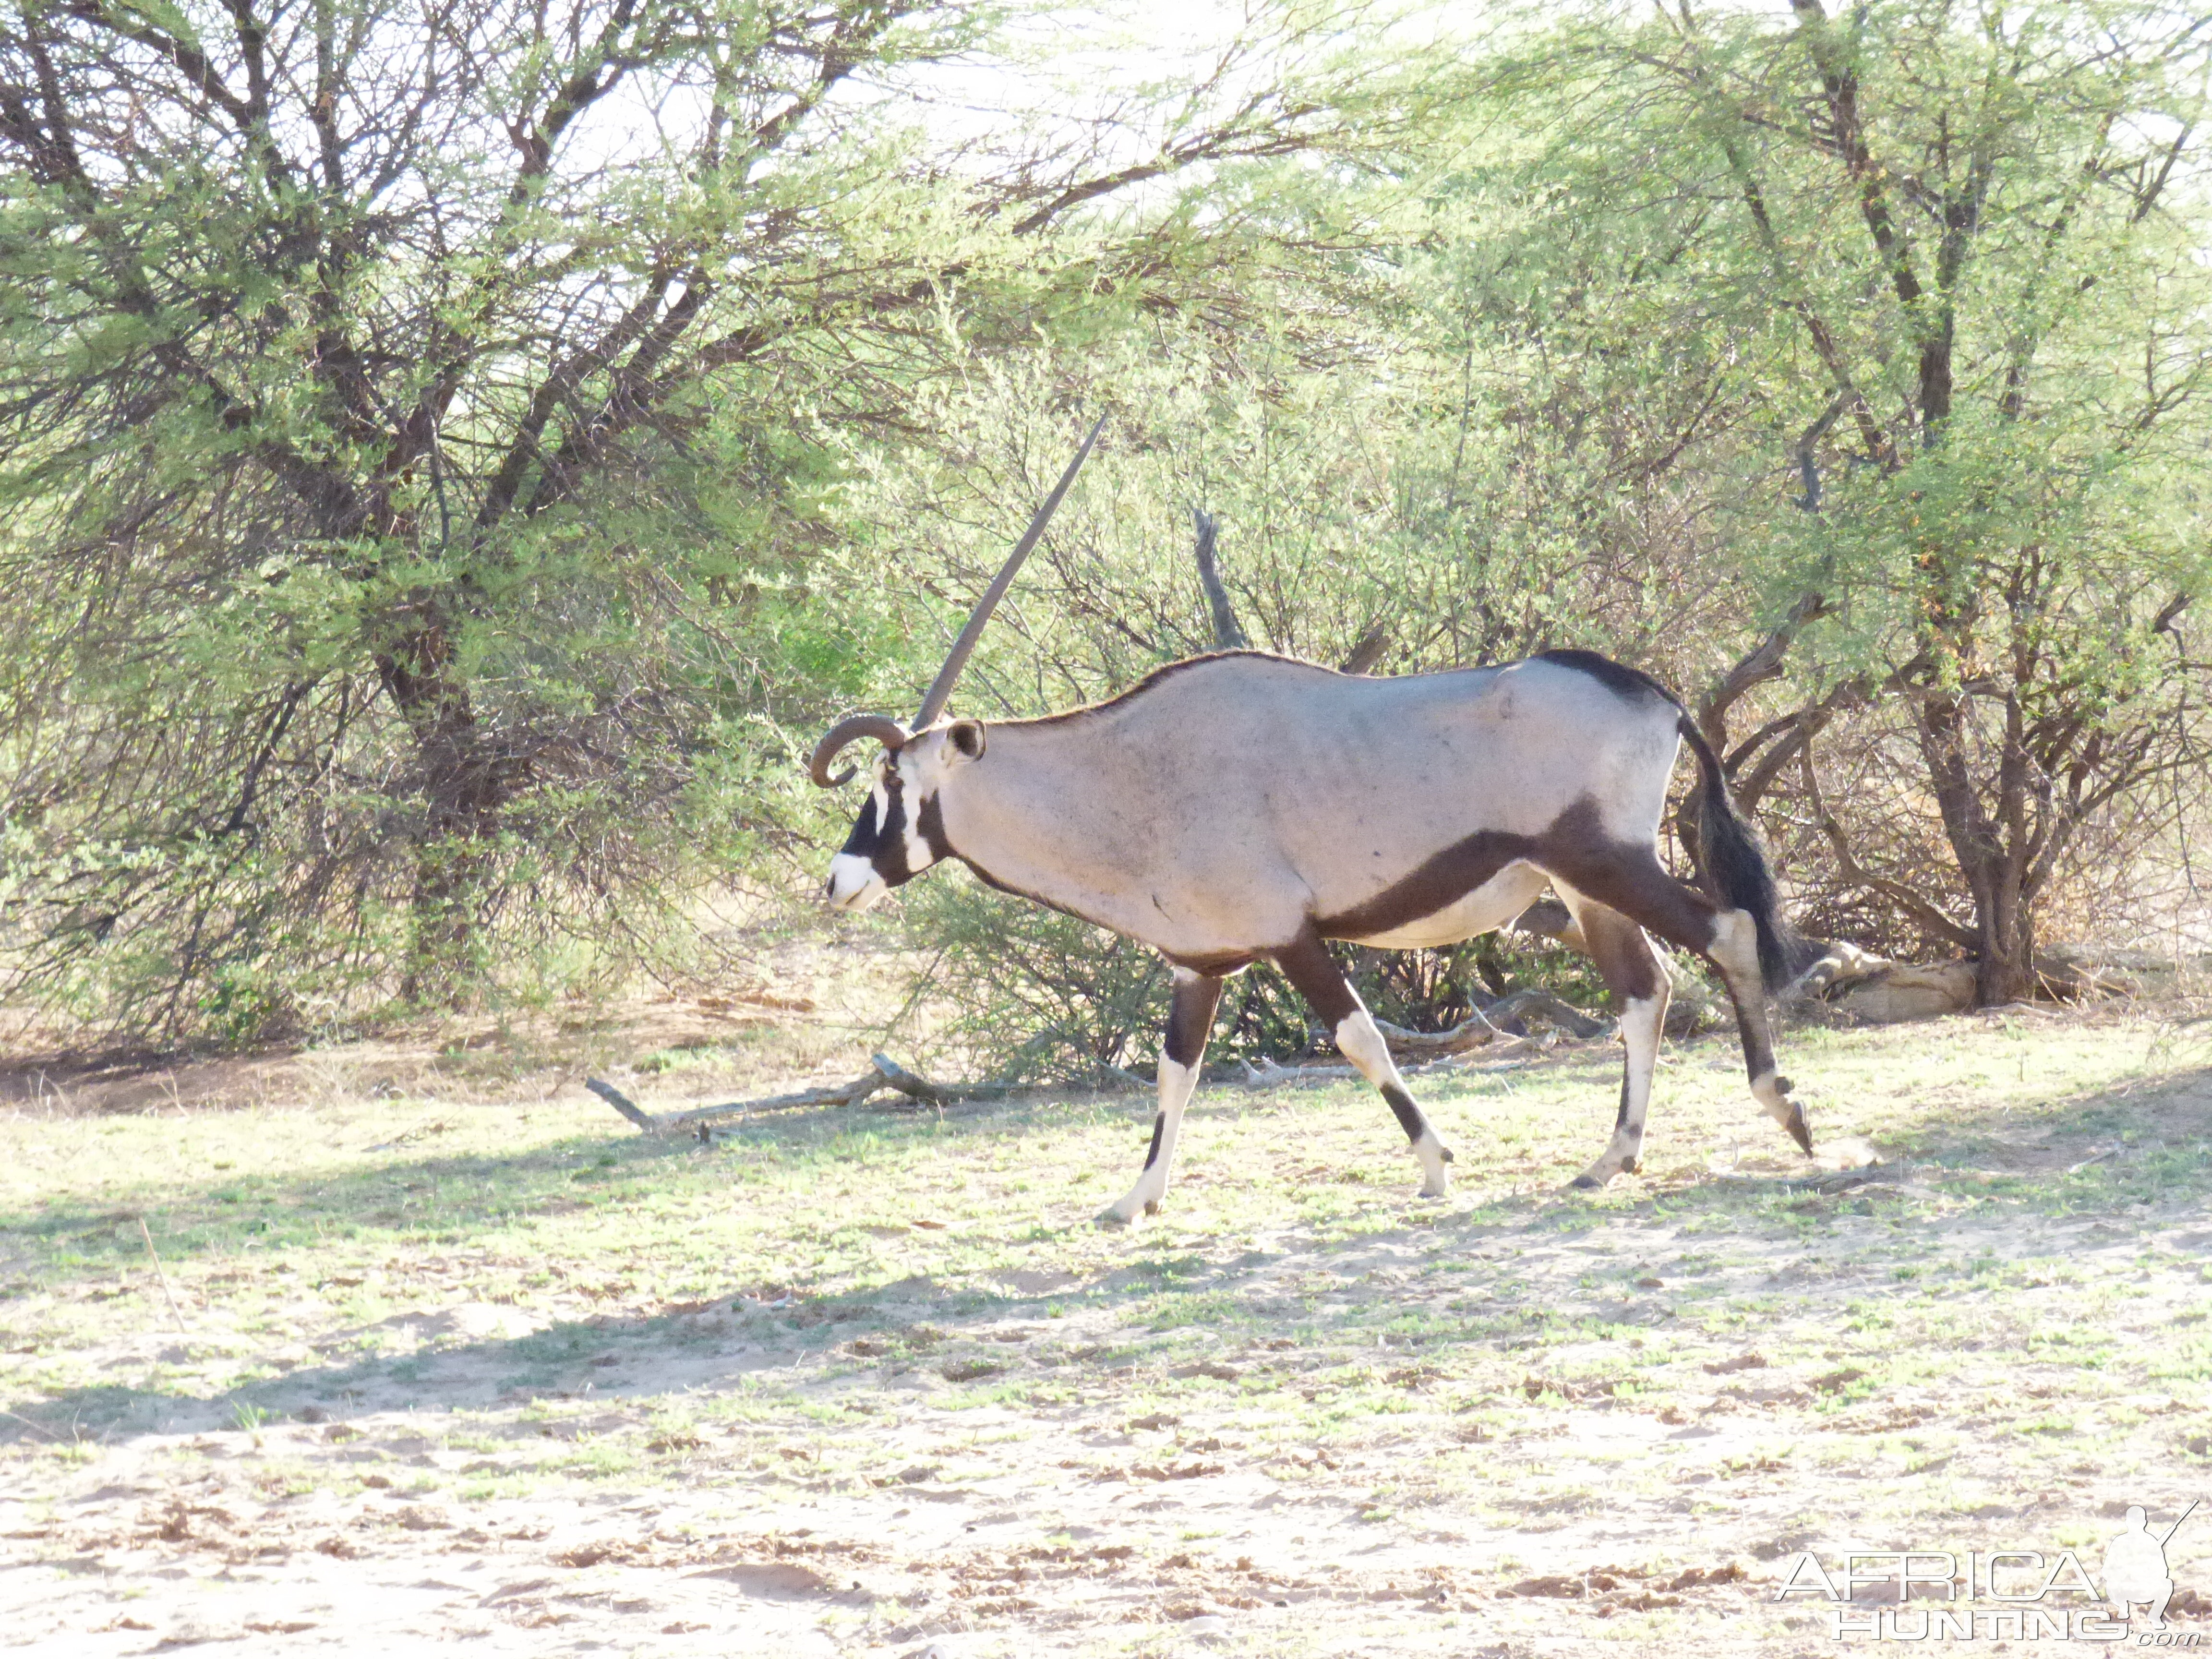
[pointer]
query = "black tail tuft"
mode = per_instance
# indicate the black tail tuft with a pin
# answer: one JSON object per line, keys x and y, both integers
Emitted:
{"x": 1736, "y": 869}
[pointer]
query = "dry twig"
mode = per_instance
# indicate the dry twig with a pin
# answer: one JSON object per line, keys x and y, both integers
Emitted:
{"x": 174, "y": 1313}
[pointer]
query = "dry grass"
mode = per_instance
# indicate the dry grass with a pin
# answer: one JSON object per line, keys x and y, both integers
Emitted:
{"x": 852, "y": 1381}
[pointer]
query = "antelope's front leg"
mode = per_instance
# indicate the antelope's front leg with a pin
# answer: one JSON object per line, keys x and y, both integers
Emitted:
{"x": 1190, "y": 1022}
{"x": 1637, "y": 975}
{"x": 1309, "y": 967}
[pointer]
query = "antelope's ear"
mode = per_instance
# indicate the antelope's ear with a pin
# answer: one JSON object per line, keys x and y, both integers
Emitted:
{"x": 964, "y": 741}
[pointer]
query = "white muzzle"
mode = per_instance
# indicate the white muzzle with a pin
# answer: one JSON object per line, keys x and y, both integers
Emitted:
{"x": 854, "y": 883}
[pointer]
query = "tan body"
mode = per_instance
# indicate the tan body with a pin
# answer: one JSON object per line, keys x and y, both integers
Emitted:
{"x": 1245, "y": 807}
{"x": 1223, "y": 807}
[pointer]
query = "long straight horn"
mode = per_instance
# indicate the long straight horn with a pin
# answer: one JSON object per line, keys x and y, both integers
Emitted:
{"x": 940, "y": 689}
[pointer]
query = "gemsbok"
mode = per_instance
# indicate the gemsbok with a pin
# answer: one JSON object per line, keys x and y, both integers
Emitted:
{"x": 1243, "y": 807}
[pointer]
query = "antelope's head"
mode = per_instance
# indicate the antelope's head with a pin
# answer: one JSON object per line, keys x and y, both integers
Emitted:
{"x": 900, "y": 832}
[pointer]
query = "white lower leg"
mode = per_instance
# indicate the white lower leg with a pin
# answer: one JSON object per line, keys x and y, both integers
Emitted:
{"x": 1641, "y": 1020}
{"x": 1178, "y": 1083}
{"x": 1358, "y": 1041}
{"x": 1736, "y": 948}
{"x": 1771, "y": 1091}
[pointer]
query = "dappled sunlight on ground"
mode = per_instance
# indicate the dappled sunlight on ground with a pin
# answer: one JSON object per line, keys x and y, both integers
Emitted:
{"x": 852, "y": 1381}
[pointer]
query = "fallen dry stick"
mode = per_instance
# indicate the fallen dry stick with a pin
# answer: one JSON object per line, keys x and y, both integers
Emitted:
{"x": 887, "y": 1074}
{"x": 937, "y": 1094}
{"x": 163, "y": 1277}
{"x": 1481, "y": 1028}
{"x": 1271, "y": 1075}
{"x": 1476, "y": 1031}
{"x": 840, "y": 1094}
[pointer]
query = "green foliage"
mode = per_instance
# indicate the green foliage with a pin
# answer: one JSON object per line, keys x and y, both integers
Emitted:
{"x": 426, "y": 443}
{"x": 1934, "y": 284}
{"x": 430, "y": 539}
{"x": 1041, "y": 995}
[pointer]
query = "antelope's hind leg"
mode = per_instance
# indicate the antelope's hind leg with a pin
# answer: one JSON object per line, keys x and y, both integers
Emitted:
{"x": 1640, "y": 890}
{"x": 1190, "y": 1022}
{"x": 1309, "y": 967}
{"x": 1634, "y": 972}
{"x": 1735, "y": 951}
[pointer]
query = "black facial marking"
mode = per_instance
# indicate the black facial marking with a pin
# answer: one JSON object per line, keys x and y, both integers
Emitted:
{"x": 1409, "y": 1115}
{"x": 1159, "y": 1123}
{"x": 931, "y": 823}
{"x": 891, "y": 845}
{"x": 862, "y": 843}
{"x": 884, "y": 845}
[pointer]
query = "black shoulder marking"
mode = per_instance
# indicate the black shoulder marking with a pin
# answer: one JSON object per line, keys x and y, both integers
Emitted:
{"x": 1622, "y": 681}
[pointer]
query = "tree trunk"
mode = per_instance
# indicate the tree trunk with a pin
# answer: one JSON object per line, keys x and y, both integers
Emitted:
{"x": 462, "y": 787}
{"x": 445, "y": 965}
{"x": 2006, "y": 972}
{"x": 1993, "y": 861}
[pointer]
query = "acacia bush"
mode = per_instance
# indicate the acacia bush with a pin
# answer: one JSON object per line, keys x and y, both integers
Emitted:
{"x": 433, "y": 538}
{"x": 422, "y": 429}
{"x": 1036, "y": 995}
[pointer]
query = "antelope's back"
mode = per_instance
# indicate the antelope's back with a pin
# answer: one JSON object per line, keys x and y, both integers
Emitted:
{"x": 1227, "y": 800}
{"x": 1352, "y": 782}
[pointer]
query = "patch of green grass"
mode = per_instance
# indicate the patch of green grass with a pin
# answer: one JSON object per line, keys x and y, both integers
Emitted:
{"x": 522, "y": 1244}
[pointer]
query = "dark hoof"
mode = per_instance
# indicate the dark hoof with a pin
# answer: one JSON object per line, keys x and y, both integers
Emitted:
{"x": 1585, "y": 1183}
{"x": 1798, "y": 1131}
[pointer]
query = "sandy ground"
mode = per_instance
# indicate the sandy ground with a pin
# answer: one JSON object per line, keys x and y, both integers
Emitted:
{"x": 1441, "y": 1455}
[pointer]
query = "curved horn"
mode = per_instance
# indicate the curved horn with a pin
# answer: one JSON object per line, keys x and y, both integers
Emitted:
{"x": 882, "y": 727}
{"x": 940, "y": 689}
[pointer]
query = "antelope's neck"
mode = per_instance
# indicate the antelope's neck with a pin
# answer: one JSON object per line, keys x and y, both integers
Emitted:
{"x": 1035, "y": 815}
